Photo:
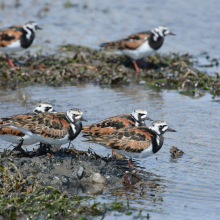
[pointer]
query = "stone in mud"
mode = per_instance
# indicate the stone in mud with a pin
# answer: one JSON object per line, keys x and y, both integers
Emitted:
{"x": 80, "y": 172}
{"x": 56, "y": 181}
{"x": 64, "y": 172}
{"x": 175, "y": 152}
{"x": 65, "y": 180}
{"x": 97, "y": 178}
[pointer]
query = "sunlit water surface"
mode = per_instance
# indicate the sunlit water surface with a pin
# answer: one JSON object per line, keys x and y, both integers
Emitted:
{"x": 188, "y": 187}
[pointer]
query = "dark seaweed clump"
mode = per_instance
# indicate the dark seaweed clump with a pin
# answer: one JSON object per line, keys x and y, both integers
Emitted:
{"x": 81, "y": 64}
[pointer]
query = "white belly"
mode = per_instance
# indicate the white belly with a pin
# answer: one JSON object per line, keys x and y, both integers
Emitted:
{"x": 13, "y": 47}
{"x": 16, "y": 140}
{"x": 142, "y": 51}
{"x": 42, "y": 139}
{"x": 145, "y": 153}
{"x": 50, "y": 140}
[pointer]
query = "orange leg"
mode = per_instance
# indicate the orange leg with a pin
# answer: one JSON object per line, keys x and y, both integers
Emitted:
{"x": 130, "y": 163}
{"x": 113, "y": 152}
{"x": 10, "y": 62}
{"x": 136, "y": 66}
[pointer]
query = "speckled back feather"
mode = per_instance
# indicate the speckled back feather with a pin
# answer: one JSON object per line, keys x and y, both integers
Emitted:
{"x": 48, "y": 125}
{"x": 129, "y": 139}
{"x": 109, "y": 125}
{"x": 131, "y": 42}
{"x": 10, "y": 34}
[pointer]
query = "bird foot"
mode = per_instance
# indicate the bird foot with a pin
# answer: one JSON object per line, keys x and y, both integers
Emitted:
{"x": 136, "y": 67}
{"x": 10, "y": 62}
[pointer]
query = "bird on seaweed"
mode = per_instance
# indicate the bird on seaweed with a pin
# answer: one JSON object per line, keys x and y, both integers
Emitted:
{"x": 140, "y": 45}
{"x": 16, "y": 38}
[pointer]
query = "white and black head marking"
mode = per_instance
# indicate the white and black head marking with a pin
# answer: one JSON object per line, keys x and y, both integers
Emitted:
{"x": 75, "y": 114}
{"x": 30, "y": 28}
{"x": 140, "y": 115}
{"x": 161, "y": 31}
{"x": 160, "y": 127}
{"x": 43, "y": 107}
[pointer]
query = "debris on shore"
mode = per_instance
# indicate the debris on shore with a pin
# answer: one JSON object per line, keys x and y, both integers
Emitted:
{"x": 175, "y": 152}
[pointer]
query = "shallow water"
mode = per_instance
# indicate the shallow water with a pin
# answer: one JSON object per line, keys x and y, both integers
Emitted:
{"x": 89, "y": 23}
{"x": 188, "y": 187}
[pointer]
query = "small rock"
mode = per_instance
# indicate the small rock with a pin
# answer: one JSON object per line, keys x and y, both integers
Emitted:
{"x": 97, "y": 178}
{"x": 107, "y": 177}
{"x": 80, "y": 172}
{"x": 65, "y": 179}
{"x": 56, "y": 180}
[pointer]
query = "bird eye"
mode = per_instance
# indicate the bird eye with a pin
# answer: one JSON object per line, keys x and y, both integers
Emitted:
{"x": 39, "y": 105}
{"x": 141, "y": 114}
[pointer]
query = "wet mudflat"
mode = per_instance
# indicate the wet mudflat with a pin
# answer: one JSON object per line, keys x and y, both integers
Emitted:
{"x": 186, "y": 187}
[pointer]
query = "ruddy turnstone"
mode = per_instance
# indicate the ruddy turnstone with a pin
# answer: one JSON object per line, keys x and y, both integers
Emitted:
{"x": 137, "y": 46}
{"x": 15, "y": 136}
{"x": 135, "y": 142}
{"x": 54, "y": 129}
{"x": 17, "y": 38}
{"x": 109, "y": 125}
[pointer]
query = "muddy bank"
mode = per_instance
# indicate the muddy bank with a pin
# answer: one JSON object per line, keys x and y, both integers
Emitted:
{"x": 58, "y": 183}
{"x": 70, "y": 169}
{"x": 25, "y": 193}
{"x": 76, "y": 171}
{"x": 80, "y": 64}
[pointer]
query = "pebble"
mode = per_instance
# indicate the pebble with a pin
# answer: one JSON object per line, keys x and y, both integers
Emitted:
{"x": 56, "y": 180}
{"x": 97, "y": 178}
{"x": 80, "y": 172}
{"x": 64, "y": 179}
